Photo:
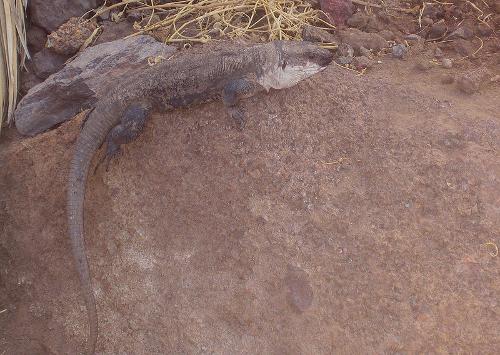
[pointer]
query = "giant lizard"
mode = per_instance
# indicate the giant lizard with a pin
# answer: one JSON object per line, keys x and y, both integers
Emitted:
{"x": 181, "y": 81}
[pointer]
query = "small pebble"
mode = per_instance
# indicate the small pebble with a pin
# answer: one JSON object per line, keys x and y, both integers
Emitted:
{"x": 427, "y": 21}
{"x": 447, "y": 63}
{"x": 412, "y": 37}
{"x": 399, "y": 51}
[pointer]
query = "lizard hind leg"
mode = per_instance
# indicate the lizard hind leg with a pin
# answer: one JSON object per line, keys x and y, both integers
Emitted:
{"x": 130, "y": 127}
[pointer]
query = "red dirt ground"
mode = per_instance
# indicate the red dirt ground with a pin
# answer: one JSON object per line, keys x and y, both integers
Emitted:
{"x": 349, "y": 216}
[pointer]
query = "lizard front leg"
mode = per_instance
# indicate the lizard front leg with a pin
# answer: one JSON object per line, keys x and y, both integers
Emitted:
{"x": 130, "y": 127}
{"x": 233, "y": 92}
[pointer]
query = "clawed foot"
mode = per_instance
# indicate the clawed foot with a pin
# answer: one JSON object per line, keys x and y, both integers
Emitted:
{"x": 112, "y": 152}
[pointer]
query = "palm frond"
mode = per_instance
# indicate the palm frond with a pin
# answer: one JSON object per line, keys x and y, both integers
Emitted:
{"x": 13, "y": 51}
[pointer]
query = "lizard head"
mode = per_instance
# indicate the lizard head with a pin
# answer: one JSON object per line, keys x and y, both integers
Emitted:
{"x": 292, "y": 62}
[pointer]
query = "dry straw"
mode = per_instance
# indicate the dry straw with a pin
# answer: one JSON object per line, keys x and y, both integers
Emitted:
{"x": 189, "y": 21}
{"x": 13, "y": 51}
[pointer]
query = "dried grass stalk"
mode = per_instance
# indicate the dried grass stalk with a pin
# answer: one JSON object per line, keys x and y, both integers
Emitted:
{"x": 13, "y": 50}
{"x": 191, "y": 21}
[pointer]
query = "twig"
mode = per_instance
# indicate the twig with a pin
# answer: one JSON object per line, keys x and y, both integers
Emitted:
{"x": 480, "y": 47}
{"x": 232, "y": 18}
{"x": 420, "y": 15}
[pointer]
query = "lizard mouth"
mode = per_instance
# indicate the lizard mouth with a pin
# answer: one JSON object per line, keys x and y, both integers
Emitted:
{"x": 284, "y": 77}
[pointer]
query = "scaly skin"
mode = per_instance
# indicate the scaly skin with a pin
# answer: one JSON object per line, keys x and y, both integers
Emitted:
{"x": 189, "y": 79}
{"x": 88, "y": 142}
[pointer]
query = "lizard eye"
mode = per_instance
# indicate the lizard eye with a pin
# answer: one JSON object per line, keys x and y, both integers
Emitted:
{"x": 283, "y": 66}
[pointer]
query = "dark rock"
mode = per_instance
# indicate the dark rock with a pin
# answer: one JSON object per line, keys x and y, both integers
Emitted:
{"x": 447, "y": 79}
{"x": 35, "y": 37}
{"x": 362, "y": 62}
{"x": 399, "y": 51}
{"x": 437, "y": 30}
{"x": 314, "y": 34}
{"x": 49, "y": 15}
{"x": 70, "y": 36}
{"x": 462, "y": 32}
{"x": 358, "y": 39}
{"x": 82, "y": 81}
{"x": 47, "y": 62}
{"x": 387, "y": 35}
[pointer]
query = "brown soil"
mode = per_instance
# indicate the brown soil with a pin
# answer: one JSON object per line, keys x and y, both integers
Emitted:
{"x": 349, "y": 216}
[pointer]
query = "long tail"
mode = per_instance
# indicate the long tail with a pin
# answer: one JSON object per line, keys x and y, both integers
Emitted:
{"x": 93, "y": 134}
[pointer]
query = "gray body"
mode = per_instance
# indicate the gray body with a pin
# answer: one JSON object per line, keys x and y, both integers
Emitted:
{"x": 184, "y": 80}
